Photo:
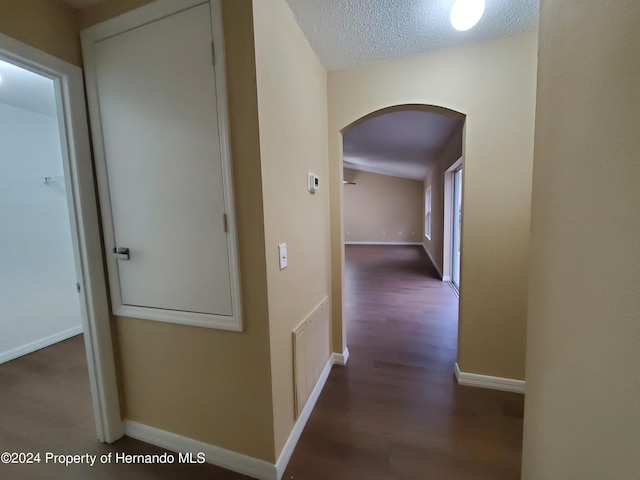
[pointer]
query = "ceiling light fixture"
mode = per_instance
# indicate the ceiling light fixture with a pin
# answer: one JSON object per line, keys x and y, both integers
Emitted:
{"x": 466, "y": 13}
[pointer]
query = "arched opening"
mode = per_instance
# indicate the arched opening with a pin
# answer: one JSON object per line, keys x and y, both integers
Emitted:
{"x": 400, "y": 176}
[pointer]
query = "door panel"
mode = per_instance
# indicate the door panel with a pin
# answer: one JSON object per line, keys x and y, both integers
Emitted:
{"x": 157, "y": 100}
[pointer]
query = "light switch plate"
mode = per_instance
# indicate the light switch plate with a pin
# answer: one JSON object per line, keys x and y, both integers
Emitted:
{"x": 282, "y": 253}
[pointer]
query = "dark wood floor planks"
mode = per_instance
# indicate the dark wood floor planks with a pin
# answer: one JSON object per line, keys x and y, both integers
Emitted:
{"x": 45, "y": 406}
{"x": 393, "y": 413}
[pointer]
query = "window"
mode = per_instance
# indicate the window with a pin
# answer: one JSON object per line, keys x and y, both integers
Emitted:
{"x": 427, "y": 213}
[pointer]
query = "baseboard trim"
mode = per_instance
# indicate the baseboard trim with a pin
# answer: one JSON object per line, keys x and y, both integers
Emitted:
{"x": 40, "y": 344}
{"x": 340, "y": 358}
{"x": 382, "y": 243}
{"x": 234, "y": 461}
{"x": 433, "y": 262}
{"x": 303, "y": 418}
{"x": 487, "y": 381}
{"x": 237, "y": 462}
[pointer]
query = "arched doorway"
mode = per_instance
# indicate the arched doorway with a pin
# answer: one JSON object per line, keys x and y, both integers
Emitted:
{"x": 415, "y": 141}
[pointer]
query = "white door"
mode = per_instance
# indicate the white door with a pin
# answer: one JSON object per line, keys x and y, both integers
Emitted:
{"x": 162, "y": 177}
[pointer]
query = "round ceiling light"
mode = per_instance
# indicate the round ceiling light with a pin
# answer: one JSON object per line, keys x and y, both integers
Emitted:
{"x": 466, "y": 13}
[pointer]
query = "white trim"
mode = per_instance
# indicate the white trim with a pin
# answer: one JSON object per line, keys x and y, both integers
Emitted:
{"x": 340, "y": 358}
{"x": 127, "y": 21}
{"x": 85, "y": 234}
{"x": 382, "y": 243}
{"x": 40, "y": 344}
{"x": 294, "y": 436}
{"x": 435, "y": 265}
{"x": 486, "y": 381}
{"x": 236, "y": 462}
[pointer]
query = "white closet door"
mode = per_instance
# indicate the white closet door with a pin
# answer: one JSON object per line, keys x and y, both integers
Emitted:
{"x": 156, "y": 94}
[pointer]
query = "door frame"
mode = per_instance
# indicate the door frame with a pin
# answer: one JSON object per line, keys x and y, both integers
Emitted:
{"x": 447, "y": 240}
{"x": 85, "y": 228}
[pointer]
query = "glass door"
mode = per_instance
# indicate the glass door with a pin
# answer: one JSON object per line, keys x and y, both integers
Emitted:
{"x": 457, "y": 223}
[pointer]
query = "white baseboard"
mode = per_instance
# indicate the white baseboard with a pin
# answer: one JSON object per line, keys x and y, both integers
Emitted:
{"x": 486, "y": 381}
{"x": 382, "y": 243}
{"x": 294, "y": 436}
{"x": 446, "y": 278}
{"x": 39, "y": 344}
{"x": 236, "y": 462}
{"x": 434, "y": 264}
{"x": 340, "y": 358}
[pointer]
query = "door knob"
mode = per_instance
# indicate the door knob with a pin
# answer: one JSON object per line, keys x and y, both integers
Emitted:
{"x": 121, "y": 253}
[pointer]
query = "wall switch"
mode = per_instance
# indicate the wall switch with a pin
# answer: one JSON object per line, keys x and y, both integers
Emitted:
{"x": 313, "y": 182}
{"x": 282, "y": 253}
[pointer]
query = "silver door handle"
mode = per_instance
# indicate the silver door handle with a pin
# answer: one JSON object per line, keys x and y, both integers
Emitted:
{"x": 121, "y": 253}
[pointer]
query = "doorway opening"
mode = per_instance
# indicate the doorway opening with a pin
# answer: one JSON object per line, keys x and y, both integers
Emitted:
{"x": 52, "y": 285}
{"x": 395, "y": 161}
{"x": 38, "y": 291}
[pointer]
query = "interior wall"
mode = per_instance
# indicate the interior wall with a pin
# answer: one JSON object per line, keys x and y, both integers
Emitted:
{"x": 382, "y": 208}
{"x": 581, "y": 411}
{"x": 211, "y": 385}
{"x": 38, "y": 275}
{"x": 450, "y": 154}
{"x": 48, "y": 25}
{"x": 292, "y": 106}
{"x": 493, "y": 84}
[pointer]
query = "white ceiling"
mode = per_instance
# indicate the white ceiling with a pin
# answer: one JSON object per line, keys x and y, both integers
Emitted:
{"x": 24, "y": 89}
{"x": 350, "y": 33}
{"x": 399, "y": 143}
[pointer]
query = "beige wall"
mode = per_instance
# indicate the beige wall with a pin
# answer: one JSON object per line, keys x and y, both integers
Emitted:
{"x": 451, "y": 153}
{"x": 48, "y": 25}
{"x": 107, "y": 9}
{"x": 493, "y": 83}
{"x": 381, "y": 208}
{"x": 211, "y": 385}
{"x": 582, "y": 416}
{"x": 292, "y": 101}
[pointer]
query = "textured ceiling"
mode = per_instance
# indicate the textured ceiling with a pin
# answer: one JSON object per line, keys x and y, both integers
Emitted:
{"x": 82, "y": 3}
{"x": 349, "y": 33}
{"x": 399, "y": 143}
{"x": 24, "y": 89}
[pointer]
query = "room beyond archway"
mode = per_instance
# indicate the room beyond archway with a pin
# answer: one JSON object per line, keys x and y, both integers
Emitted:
{"x": 395, "y": 162}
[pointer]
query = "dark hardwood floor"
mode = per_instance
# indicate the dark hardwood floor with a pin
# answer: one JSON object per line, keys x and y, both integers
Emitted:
{"x": 45, "y": 406}
{"x": 394, "y": 412}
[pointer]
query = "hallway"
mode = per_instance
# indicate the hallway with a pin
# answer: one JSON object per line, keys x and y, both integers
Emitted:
{"x": 395, "y": 411}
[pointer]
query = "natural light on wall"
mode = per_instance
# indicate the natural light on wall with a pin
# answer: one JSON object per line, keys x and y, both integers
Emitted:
{"x": 466, "y": 13}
